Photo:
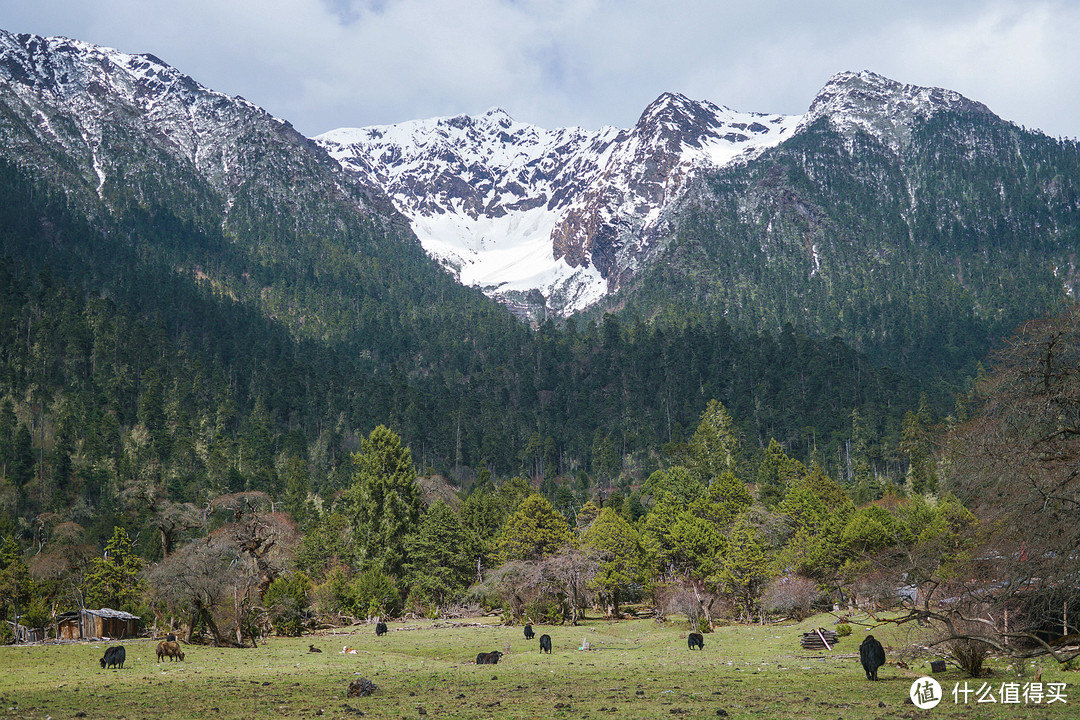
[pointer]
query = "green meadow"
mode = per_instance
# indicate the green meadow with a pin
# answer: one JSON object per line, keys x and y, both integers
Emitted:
{"x": 425, "y": 669}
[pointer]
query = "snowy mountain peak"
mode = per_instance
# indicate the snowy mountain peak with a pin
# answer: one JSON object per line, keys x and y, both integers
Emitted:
{"x": 563, "y": 215}
{"x": 121, "y": 118}
{"x": 884, "y": 108}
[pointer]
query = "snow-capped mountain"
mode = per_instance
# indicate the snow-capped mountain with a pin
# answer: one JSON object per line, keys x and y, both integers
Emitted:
{"x": 129, "y": 125}
{"x": 883, "y": 108}
{"x": 519, "y": 210}
{"x": 567, "y": 216}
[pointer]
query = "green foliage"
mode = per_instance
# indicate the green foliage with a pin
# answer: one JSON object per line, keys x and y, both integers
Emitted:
{"x": 115, "y": 579}
{"x": 16, "y": 586}
{"x": 618, "y": 547}
{"x": 726, "y": 498}
{"x": 776, "y": 473}
{"x": 843, "y": 630}
{"x": 535, "y": 531}
{"x": 715, "y": 447}
{"x": 872, "y": 528}
{"x": 383, "y": 503}
{"x": 372, "y": 593}
{"x": 287, "y": 600}
{"x": 815, "y": 500}
{"x": 326, "y": 545}
{"x": 746, "y": 568}
{"x": 679, "y": 543}
{"x": 675, "y": 485}
{"x": 442, "y": 556}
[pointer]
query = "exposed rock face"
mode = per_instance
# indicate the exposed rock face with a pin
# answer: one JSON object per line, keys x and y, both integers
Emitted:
{"x": 132, "y": 128}
{"x": 570, "y": 215}
{"x": 565, "y": 213}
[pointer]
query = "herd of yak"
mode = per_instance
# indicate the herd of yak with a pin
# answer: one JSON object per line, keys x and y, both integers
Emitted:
{"x": 871, "y": 653}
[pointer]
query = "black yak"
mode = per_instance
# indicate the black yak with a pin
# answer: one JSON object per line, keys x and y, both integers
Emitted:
{"x": 695, "y": 640}
{"x": 114, "y": 657}
{"x": 529, "y": 634}
{"x": 872, "y": 656}
{"x": 490, "y": 658}
{"x": 545, "y": 644}
{"x": 380, "y": 629}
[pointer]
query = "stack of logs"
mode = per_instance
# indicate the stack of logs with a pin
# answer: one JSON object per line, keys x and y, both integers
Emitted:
{"x": 819, "y": 639}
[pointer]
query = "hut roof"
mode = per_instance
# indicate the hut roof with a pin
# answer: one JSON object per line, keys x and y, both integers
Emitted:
{"x": 110, "y": 613}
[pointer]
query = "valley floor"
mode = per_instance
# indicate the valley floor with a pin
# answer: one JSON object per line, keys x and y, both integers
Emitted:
{"x": 426, "y": 669}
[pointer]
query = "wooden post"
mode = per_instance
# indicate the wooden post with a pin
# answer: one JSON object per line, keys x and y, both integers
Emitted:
{"x": 827, "y": 646}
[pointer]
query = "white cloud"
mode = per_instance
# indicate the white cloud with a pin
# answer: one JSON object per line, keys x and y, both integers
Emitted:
{"x": 328, "y": 63}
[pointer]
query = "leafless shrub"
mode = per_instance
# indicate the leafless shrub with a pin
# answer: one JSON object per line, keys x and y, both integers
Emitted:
{"x": 967, "y": 642}
{"x": 791, "y": 595}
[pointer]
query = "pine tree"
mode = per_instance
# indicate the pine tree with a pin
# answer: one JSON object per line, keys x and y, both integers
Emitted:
{"x": 534, "y": 532}
{"x": 621, "y": 558}
{"x": 383, "y": 503}
{"x": 440, "y": 556}
{"x": 746, "y": 568}
{"x": 115, "y": 579}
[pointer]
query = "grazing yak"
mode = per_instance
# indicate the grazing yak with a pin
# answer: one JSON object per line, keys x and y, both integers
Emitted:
{"x": 872, "y": 656}
{"x": 380, "y": 629}
{"x": 114, "y": 657}
{"x": 695, "y": 640}
{"x": 545, "y": 644}
{"x": 490, "y": 658}
{"x": 529, "y": 634}
{"x": 169, "y": 649}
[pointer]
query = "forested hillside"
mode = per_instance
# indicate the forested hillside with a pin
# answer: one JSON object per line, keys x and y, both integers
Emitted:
{"x": 922, "y": 255}
{"x": 101, "y": 334}
{"x": 223, "y": 359}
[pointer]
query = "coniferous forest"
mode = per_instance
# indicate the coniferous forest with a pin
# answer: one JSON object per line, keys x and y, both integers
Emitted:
{"x": 290, "y": 416}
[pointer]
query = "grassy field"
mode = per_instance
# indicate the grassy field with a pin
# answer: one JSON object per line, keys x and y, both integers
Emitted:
{"x": 637, "y": 669}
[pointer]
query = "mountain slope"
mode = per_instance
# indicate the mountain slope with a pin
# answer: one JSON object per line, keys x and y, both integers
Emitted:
{"x": 128, "y": 139}
{"x": 920, "y": 237}
{"x": 546, "y": 220}
{"x": 907, "y": 220}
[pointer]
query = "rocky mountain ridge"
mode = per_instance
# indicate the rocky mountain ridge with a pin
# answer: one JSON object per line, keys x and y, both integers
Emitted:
{"x": 554, "y": 221}
{"x": 554, "y": 217}
{"x": 108, "y": 120}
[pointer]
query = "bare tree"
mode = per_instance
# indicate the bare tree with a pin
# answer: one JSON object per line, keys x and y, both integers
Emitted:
{"x": 1016, "y": 464}
{"x": 197, "y": 581}
{"x": 267, "y": 537}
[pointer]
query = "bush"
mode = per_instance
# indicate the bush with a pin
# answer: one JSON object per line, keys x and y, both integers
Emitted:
{"x": 969, "y": 655}
{"x": 373, "y": 594}
{"x": 287, "y": 602}
{"x": 843, "y": 630}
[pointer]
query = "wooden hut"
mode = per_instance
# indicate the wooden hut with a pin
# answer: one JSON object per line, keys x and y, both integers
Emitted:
{"x": 68, "y": 626}
{"x": 25, "y": 634}
{"x": 103, "y": 623}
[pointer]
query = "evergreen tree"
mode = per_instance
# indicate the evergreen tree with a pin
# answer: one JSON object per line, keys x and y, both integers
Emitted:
{"x": 715, "y": 446}
{"x": 746, "y": 568}
{"x": 115, "y": 579}
{"x": 440, "y": 563}
{"x": 16, "y": 586}
{"x": 383, "y": 503}
{"x": 534, "y": 532}
{"x": 616, "y": 543}
{"x": 775, "y": 474}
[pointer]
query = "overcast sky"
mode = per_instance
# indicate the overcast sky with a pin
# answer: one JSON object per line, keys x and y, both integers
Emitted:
{"x": 324, "y": 64}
